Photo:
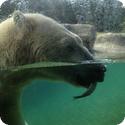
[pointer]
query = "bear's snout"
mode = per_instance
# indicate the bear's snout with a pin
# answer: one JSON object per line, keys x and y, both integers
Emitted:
{"x": 100, "y": 72}
{"x": 101, "y": 68}
{"x": 95, "y": 73}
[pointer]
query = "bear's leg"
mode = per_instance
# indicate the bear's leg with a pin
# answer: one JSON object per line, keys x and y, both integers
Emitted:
{"x": 10, "y": 112}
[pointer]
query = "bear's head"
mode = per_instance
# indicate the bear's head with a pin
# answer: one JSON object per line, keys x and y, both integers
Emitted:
{"x": 36, "y": 38}
{"x": 32, "y": 38}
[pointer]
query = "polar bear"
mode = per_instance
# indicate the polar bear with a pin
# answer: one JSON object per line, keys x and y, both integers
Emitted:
{"x": 32, "y": 38}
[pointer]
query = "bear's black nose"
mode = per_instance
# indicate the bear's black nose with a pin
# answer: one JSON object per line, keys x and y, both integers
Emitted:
{"x": 100, "y": 72}
{"x": 101, "y": 68}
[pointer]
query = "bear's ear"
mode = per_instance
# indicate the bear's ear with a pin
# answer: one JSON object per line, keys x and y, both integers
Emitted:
{"x": 19, "y": 19}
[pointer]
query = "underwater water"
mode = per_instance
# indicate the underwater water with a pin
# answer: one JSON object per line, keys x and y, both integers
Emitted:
{"x": 49, "y": 103}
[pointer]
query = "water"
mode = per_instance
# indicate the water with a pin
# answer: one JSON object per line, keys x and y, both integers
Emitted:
{"x": 49, "y": 103}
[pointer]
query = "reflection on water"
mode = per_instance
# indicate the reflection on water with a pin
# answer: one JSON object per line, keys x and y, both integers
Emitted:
{"x": 47, "y": 103}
